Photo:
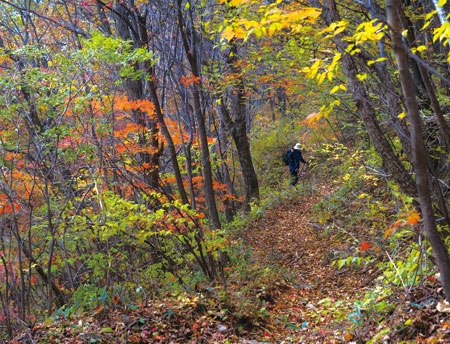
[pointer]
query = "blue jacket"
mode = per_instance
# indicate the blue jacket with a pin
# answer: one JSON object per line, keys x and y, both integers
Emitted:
{"x": 295, "y": 158}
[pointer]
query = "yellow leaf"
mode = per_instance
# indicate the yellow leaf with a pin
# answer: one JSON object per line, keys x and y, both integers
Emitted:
{"x": 337, "y": 102}
{"x": 228, "y": 33}
{"x": 421, "y": 48}
{"x": 234, "y": 2}
{"x": 401, "y": 115}
{"x": 426, "y": 25}
{"x": 249, "y": 24}
{"x": 334, "y": 90}
{"x": 429, "y": 15}
{"x": 441, "y": 3}
{"x": 404, "y": 33}
{"x": 361, "y": 77}
{"x": 314, "y": 116}
{"x": 330, "y": 76}
{"x": 239, "y": 32}
{"x": 338, "y": 31}
{"x": 321, "y": 77}
{"x": 343, "y": 88}
{"x": 272, "y": 28}
{"x": 313, "y": 70}
{"x": 348, "y": 336}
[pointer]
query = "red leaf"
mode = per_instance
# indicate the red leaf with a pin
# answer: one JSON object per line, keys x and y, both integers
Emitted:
{"x": 365, "y": 246}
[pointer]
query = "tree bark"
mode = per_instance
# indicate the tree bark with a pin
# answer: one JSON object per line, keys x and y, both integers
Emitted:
{"x": 132, "y": 27}
{"x": 238, "y": 130}
{"x": 168, "y": 137}
{"x": 393, "y": 8}
{"x": 367, "y": 111}
{"x": 427, "y": 82}
{"x": 199, "y": 115}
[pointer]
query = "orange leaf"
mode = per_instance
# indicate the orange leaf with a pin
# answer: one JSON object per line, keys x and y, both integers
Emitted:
{"x": 388, "y": 232}
{"x": 348, "y": 336}
{"x": 135, "y": 339}
{"x": 365, "y": 246}
{"x": 413, "y": 217}
{"x": 146, "y": 165}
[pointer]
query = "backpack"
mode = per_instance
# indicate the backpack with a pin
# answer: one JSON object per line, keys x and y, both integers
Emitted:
{"x": 286, "y": 159}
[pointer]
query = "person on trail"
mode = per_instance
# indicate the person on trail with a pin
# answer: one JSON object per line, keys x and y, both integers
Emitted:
{"x": 295, "y": 158}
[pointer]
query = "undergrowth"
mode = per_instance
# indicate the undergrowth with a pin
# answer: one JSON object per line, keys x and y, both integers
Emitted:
{"x": 381, "y": 237}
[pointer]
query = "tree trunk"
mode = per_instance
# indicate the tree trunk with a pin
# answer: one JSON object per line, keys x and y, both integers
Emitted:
{"x": 427, "y": 82}
{"x": 367, "y": 112}
{"x": 238, "y": 130}
{"x": 168, "y": 137}
{"x": 422, "y": 178}
{"x": 199, "y": 115}
{"x": 127, "y": 24}
{"x": 393, "y": 100}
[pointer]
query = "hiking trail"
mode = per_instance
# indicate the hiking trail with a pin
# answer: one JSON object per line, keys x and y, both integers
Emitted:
{"x": 285, "y": 236}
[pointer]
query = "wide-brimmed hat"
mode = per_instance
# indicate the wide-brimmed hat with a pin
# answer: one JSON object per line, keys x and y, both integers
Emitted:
{"x": 298, "y": 146}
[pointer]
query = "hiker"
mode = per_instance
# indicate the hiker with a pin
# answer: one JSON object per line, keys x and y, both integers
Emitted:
{"x": 294, "y": 156}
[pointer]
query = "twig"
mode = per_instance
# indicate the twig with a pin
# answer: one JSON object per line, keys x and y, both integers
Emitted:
{"x": 398, "y": 272}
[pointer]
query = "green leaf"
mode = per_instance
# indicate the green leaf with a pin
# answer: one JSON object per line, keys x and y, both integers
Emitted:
{"x": 292, "y": 326}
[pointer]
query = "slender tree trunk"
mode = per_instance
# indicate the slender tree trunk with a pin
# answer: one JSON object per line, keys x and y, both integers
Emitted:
{"x": 168, "y": 137}
{"x": 393, "y": 101}
{"x": 367, "y": 111}
{"x": 190, "y": 51}
{"x": 238, "y": 130}
{"x": 422, "y": 178}
{"x": 230, "y": 204}
{"x": 127, "y": 24}
{"x": 427, "y": 82}
{"x": 243, "y": 151}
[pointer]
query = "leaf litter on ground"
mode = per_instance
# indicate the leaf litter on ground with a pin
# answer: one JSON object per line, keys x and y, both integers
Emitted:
{"x": 309, "y": 301}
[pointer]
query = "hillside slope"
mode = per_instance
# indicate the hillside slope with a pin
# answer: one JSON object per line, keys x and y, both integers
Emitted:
{"x": 309, "y": 300}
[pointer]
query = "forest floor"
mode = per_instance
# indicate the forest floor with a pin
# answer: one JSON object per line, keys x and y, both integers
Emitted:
{"x": 286, "y": 236}
{"x": 311, "y": 300}
{"x": 318, "y": 301}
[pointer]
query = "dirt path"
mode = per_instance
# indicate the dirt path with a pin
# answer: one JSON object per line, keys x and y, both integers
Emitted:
{"x": 284, "y": 236}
